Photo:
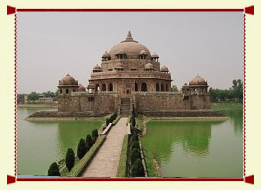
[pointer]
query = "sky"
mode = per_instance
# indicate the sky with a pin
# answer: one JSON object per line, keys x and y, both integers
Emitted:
{"x": 52, "y": 44}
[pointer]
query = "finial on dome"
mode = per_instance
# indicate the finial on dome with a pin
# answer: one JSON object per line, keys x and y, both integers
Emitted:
{"x": 129, "y": 36}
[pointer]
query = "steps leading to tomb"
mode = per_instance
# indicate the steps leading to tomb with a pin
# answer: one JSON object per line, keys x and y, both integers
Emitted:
{"x": 125, "y": 107}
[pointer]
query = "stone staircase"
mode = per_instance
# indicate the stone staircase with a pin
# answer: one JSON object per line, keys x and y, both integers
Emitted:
{"x": 125, "y": 107}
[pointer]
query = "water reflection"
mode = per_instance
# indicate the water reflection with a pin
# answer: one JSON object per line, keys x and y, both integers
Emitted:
{"x": 70, "y": 132}
{"x": 235, "y": 113}
{"x": 39, "y": 143}
{"x": 198, "y": 148}
{"x": 163, "y": 136}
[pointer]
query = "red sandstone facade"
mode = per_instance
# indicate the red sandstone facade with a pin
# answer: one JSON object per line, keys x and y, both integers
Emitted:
{"x": 130, "y": 76}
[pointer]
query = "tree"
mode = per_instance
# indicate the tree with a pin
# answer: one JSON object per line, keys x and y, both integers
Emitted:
{"x": 33, "y": 96}
{"x": 88, "y": 142}
{"x": 70, "y": 159}
{"x": 238, "y": 89}
{"x": 133, "y": 121}
{"x": 137, "y": 169}
{"x": 94, "y": 135}
{"x": 81, "y": 150}
{"x": 135, "y": 144}
{"x": 54, "y": 170}
{"x": 134, "y": 137}
{"x": 174, "y": 88}
{"x": 107, "y": 121}
{"x": 135, "y": 154}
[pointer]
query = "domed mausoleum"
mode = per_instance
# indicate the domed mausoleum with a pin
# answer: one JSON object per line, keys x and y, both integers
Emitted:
{"x": 130, "y": 76}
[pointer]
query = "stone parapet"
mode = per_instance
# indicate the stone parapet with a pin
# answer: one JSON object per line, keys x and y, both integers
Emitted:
{"x": 130, "y": 74}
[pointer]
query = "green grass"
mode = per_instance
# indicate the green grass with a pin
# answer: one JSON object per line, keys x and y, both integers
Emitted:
{"x": 151, "y": 163}
{"x": 122, "y": 164}
{"x": 81, "y": 163}
{"x": 141, "y": 122}
{"x": 225, "y": 105}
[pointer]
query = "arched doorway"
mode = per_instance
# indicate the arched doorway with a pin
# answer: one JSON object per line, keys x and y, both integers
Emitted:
{"x": 162, "y": 87}
{"x": 157, "y": 87}
{"x": 143, "y": 87}
{"x": 136, "y": 87}
{"x": 97, "y": 88}
{"x": 110, "y": 87}
{"x": 103, "y": 87}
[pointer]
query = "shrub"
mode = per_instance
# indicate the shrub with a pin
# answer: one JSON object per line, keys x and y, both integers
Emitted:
{"x": 133, "y": 121}
{"x": 54, "y": 170}
{"x": 94, "y": 135}
{"x": 137, "y": 169}
{"x": 133, "y": 112}
{"x": 81, "y": 150}
{"x": 134, "y": 137}
{"x": 135, "y": 154}
{"x": 107, "y": 121}
{"x": 135, "y": 144}
{"x": 88, "y": 142}
{"x": 70, "y": 159}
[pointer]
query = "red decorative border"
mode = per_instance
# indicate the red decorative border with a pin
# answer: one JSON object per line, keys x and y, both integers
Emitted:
{"x": 15, "y": 93}
{"x": 244, "y": 93}
{"x": 246, "y": 10}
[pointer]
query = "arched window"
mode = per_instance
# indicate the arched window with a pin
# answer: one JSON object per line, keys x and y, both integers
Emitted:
{"x": 157, "y": 87}
{"x": 61, "y": 91}
{"x": 143, "y": 87}
{"x": 162, "y": 87}
{"x": 136, "y": 87}
{"x": 97, "y": 88}
{"x": 67, "y": 91}
{"x": 103, "y": 87}
{"x": 167, "y": 87}
{"x": 110, "y": 88}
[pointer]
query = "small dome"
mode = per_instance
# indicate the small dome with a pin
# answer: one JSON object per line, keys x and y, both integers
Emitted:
{"x": 81, "y": 88}
{"x": 143, "y": 52}
{"x": 198, "y": 80}
{"x": 164, "y": 69}
{"x": 154, "y": 55}
{"x": 185, "y": 84}
{"x": 148, "y": 66}
{"x": 106, "y": 55}
{"x": 68, "y": 80}
{"x": 97, "y": 68}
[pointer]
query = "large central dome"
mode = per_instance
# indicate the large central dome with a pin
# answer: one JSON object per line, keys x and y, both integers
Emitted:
{"x": 130, "y": 47}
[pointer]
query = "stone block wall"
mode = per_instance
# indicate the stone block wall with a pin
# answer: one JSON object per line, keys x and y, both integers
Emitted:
{"x": 170, "y": 101}
{"x": 98, "y": 103}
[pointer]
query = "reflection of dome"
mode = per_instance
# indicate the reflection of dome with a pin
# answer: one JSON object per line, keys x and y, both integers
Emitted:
{"x": 81, "y": 88}
{"x": 130, "y": 47}
{"x": 198, "y": 80}
{"x": 97, "y": 68}
{"x": 148, "y": 66}
{"x": 68, "y": 80}
{"x": 164, "y": 69}
{"x": 106, "y": 55}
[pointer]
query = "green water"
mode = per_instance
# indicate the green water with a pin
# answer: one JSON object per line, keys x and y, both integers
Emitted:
{"x": 41, "y": 143}
{"x": 198, "y": 148}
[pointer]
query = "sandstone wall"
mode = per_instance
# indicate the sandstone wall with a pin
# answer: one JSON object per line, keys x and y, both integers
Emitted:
{"x": 170, "y": 101}
{"x": 96, "y": 104}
